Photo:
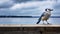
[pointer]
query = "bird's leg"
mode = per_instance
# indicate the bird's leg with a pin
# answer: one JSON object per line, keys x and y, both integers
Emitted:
{"x": 47, "y": 22}
{"x": 43, "y": 21}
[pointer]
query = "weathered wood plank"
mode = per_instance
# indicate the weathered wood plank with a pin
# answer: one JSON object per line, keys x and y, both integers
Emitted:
{"x": 27, "y": 25}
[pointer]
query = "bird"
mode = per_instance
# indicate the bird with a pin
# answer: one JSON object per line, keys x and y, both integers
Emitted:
{"x": 45, "y": 15}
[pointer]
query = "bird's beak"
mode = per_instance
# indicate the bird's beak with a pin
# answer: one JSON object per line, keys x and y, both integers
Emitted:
{"x": 51, "y": 10}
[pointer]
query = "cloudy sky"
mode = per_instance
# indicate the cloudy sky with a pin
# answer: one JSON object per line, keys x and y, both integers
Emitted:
{"x": 28, "y": 7}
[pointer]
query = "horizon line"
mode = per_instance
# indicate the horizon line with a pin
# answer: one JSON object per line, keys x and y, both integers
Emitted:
{"x": 26, "y": 16}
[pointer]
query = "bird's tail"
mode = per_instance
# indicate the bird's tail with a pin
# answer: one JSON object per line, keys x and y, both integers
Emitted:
{"x": 38, "y": 20}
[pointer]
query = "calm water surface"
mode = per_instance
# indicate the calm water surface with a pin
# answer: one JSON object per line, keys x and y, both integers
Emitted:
{"x": 27, "y": 21}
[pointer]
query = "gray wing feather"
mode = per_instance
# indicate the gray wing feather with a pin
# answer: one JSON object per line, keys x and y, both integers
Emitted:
{"x": 40, "y": 18}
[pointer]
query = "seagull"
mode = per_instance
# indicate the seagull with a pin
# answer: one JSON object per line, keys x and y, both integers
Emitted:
{"x": 45, "y": 15}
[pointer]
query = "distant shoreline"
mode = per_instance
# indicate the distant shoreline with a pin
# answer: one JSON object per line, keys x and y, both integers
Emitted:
{"x": 26, "y": 16}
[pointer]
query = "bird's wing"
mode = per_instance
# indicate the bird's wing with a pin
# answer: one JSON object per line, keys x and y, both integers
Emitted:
{"x": 42, "y": 14}
{"x": 40, "y": 18}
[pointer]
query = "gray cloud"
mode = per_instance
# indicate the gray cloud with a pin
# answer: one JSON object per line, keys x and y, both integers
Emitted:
{"x": 6, "y": 4}
{"x": 19, "y": 1}
{"x": 10, "y": 3}
{"x": 28, "y": 8}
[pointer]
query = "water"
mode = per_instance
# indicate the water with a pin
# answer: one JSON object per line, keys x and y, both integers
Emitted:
{"x": 27, "y": 21}
{"x": 38, "y": 8}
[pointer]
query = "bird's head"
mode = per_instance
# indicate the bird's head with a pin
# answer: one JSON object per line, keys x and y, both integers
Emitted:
{"x": 48, "y": 9}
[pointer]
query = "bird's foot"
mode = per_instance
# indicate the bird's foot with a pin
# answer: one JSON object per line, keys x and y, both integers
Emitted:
{"x": 49, "y": 23}
{"x": 43, "y": 23}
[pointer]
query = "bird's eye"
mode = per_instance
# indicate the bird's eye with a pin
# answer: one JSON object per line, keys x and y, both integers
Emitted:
{"x": 45, "y": 9}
